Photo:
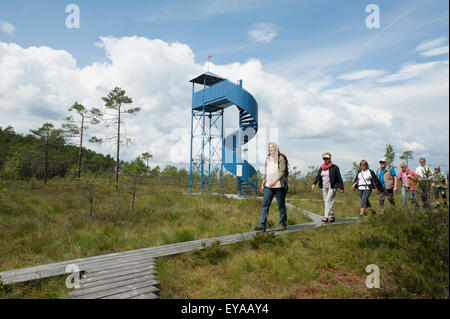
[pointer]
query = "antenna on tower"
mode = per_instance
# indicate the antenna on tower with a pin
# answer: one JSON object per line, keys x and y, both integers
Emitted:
{"x": 209, "y": 57}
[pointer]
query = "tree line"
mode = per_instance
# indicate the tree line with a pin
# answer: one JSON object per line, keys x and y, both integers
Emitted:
{"x": 47, "y": 152}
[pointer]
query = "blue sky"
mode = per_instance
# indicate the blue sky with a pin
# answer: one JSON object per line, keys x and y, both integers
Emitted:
{"x": 319, "y": 46}
{"x": 221, "y": 30}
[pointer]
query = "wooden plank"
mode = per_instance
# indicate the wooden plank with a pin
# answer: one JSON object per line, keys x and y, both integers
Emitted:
{"x": 197, "y": 244}
{"x": 164, "y": 250}
{"x": 114, "y": 256}
{"x": 91, "y": 283}
{"x": 54, "y": 269}
{"x": 146, "y": 296}
{"x": 102, "y": 267}
{"x": 118, "y": 274}
{"x": 124, "y": 260}
{"x": 145, "y": 292}
{"x": 104, "y": 285}
{"x": 84, "y": 261}
{"x": 121, "y": 271}
{"x": 313, "y": 216}
{"x": 8, "y": 279}
{"x": 108, "y": 284}
{"x": 115, "y": 291}
{"x": 92, "y": 260}
{"x": 117, "y": 268}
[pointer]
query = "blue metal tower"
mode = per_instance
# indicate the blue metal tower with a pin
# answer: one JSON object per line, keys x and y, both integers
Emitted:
{"x": 207, "y": 132}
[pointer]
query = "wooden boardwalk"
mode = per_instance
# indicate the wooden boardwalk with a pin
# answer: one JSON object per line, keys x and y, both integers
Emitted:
{"x": 131, "y": 274}
{"x": 131, "y": 279}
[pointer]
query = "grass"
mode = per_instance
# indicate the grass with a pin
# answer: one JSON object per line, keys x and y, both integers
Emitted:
{"x": 48, "y": 288}
{"x": 44, "y": 224}
{"x": 411, "y": 251}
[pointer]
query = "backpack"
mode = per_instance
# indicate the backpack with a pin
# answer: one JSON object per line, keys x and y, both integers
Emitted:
{"x": 286, "y": 170}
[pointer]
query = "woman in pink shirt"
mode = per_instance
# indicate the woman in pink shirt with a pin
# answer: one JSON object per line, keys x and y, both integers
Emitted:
{"x": 407, "y": 177}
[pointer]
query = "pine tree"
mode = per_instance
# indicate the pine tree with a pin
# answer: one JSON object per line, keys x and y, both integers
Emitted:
{"x": 146, "y": 156}
{"x": 116, "y": 101}
{"x": 389, "y": 155}
{"x": 407, "y": 155}
{"x": 75, "y": 128}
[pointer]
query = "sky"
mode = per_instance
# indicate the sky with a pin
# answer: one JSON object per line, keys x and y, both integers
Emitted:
{"x": 323, "y": 77}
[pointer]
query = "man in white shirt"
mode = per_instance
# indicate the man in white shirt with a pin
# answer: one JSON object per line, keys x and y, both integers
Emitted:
{"x": 423, "y": 170}
{"x": 425, "y": 174}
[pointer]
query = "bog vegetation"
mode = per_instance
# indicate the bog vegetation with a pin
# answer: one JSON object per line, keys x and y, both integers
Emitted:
{"x": 61, "y": 201}
{"x": 411, "y": 251}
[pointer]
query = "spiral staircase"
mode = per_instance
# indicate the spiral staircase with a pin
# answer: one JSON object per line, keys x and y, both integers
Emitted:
{"x": 218, "y": 94}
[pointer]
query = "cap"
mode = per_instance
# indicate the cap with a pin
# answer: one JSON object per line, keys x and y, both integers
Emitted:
{"x": 382, "y": 159}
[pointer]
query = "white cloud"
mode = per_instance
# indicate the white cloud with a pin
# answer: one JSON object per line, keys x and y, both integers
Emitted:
{"x": 38, "y": 84}
{"x": 436, "y": 51}
{"x": 362, "y": 74}
{"x": 432, "y": 47}
{"x": 7, "y": 27}
{"x": 263, "y": 32}
{"x": 430, "y": 44}
{"x": 409, "y": 71}
{"x": 413, "y": 146}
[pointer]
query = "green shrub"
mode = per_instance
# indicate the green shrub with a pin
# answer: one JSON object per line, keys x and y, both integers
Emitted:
{"x": 266, "y": 240}
{"x": 209, "y": 255}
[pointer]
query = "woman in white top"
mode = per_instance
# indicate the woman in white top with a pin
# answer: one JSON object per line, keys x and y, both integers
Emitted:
{"x": 274, "y": 184}
{"x": 365, "y": 181}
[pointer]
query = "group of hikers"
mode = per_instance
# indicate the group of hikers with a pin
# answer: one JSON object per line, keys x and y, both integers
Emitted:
{"x": 385, "y": 182}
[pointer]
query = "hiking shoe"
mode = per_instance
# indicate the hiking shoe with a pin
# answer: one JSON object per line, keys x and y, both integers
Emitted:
{"x": 260, "y": 228}
{"x": 281, "y": 228}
